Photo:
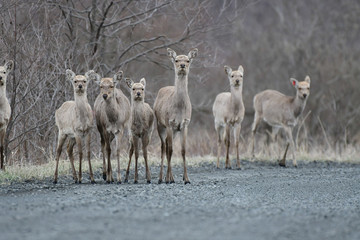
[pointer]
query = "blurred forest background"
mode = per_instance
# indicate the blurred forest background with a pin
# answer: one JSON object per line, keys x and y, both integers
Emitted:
{"x": 273, "y": 39}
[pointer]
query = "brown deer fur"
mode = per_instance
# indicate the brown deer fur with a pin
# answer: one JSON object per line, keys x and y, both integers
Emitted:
{"x": 173, "y": 112}
{"x": 142, "y": 126}
{"x": 75, "y": 120}
{"x": 112, "y": 113}
{"x": 281, "y": 111}
{"x": 228, "y": 110}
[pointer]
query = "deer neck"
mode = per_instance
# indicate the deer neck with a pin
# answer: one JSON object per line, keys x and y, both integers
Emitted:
{"x": 3, "y": 91}
{"x": 181, "y": 88}
{"x": 298, "y": 105}
{"x": 81, "y": 103}
{"x": 236, "y": 98}
{"x": 137, "y": 106}
{"x": 111, "y": 106}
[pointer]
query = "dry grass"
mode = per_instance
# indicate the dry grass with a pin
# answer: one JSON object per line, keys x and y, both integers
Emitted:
{"x": 201, "y": 149}
{"x": 23, "y": 173}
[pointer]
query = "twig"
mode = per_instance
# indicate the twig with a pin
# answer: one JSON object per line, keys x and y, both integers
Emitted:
{"x": 298, "y": 130}
{"x": 325, "y": 135}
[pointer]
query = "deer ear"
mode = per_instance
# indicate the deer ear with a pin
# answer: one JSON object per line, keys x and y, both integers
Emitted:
{"x": 294, "y": 82}
{"x": 9, "y": 66}
{"x": 70, "y": 75}
{"x": 171, "y": 53}
{"x": 92, "y": 75}
{"x": 228, "y": 70}
{"x": 307, "y": 79}
{"x": 241, "y": 69}
{"x": 143, "y": 82}
{"x": 193, "y": 53}
{"x": 118, "y": 77}
{"x": 129, "y": 82}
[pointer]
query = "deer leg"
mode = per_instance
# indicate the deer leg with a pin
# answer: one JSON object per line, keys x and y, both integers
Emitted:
{"x": 169, "y": 138}
{"x": 292, "y": 145}
{"x": 227, "y": 144}
{"x": 237, "y": 140}
{"x": 282, "y": 161}
{"x": 183, "y": 151}
{"x": 145, "y": 143}
{"x": 162, "y": 132}
{"x": 291, "y": 142}
{"x": 136, "y": 147}
{"x": 108, "y": 171}
{"x": 70, "y": 152}
{"x": 103, "y": 144}
{"x": 79, "y": 143}
{"x": 2, "y": 141}
{"x": 88, "y": 144}
{"x": 128, "y": 167}
{"x": 253, "y": 132}
{"x": 220, "y": 133}
{"x": 60, "y": 144}
{"x": 118, "y": 141}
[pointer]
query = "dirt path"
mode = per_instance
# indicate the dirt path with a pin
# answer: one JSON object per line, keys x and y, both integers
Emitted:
{"x": 262, "y": 201}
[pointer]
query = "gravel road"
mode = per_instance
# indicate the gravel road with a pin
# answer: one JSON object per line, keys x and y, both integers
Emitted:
{"x": 262, "y": 201}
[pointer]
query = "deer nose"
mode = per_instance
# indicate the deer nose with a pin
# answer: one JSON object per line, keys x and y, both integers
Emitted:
{"x": 0, "y": 77}
{"x": 237, "y": 81}
{"x": 80, "y": 86}
{"x": 138, "y": 93}
{"x": 304, "y": 95}
{"x": 182, "y": 65}
{"x": 105, "y": 96}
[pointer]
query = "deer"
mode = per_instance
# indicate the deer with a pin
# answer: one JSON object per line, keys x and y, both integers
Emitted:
{"x": 172, "y": 109}
{"x": 228, "y": 110}
{"x": 5, "y": 109}
{"x": 281, "y": 112}
{"x": 142, "y": 126}
{"x": 113, "y": 117}
{"x": 74, "y": 120}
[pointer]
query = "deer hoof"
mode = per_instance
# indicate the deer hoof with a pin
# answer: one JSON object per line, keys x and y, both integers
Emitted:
{"x": 108, "y": 181}
{"x": 104, "y": 176}
{"x": 119, "y": 182}
{"x": 148, "y": 181}
{"x": 282, "y": 164}
{"x": 126, "y": 181}
{"x": 172, "y": 181}
{"x": 187, "y": 182}
{"x": 160, "y": 181}
{"x": 135, "y": 182}
{"x": 93, "y": 182}
{"x": 55, "y": 182}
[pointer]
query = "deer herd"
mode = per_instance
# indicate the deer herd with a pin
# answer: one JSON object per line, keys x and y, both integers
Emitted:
{"x": 115, "y": 114}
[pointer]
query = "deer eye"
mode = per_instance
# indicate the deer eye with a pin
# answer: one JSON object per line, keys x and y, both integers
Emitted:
{"x": 75, "y": 82}
{"x": 232, "y": 76}
{"x": 188, "y": 61}
{"x": 111, "y": 86}
{"x": 176, "y": 61}
{"x": 133, "y": 89}
{"x": 142, "y": 89}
